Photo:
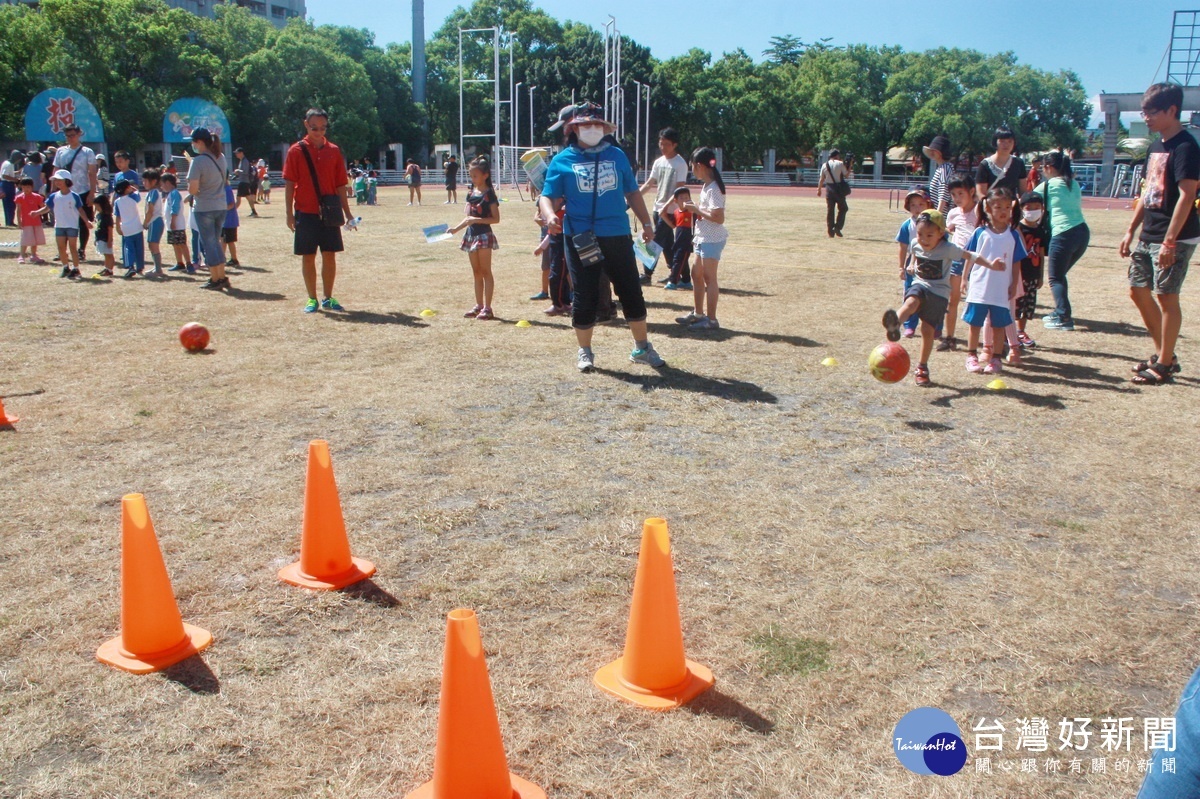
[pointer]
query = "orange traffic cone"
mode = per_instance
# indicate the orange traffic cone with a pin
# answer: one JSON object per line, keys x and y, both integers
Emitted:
{"x": 654, "y": 673}
{"x": 325, "y": 560}
{"x": 470, "y": 761}
{"x": 153, "y": 635}
{"x": 7, "y": 421}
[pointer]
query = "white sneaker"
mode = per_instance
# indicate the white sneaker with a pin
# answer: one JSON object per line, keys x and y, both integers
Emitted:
{"x": 587, "y": 360}
{"x": 689, "y": 319}
{"x": 704, "y": 324}
{"x": 648, "y": 356}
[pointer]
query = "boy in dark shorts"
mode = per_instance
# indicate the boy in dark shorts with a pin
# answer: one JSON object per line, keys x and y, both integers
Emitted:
{"x": 929, "y": 261}
{"x": 1166, "y": 212}
{"x": 680, "y": 221}
{"x": 1035, "y": 235}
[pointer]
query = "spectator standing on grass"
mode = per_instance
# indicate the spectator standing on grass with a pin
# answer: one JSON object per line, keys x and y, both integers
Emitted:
{"x": 1003, "y": 169}
{"x": 593, "y": 177}
{"x": 10, "y": 176}
{"x": 33, "y": 170}
{"x": 941, "y": 172}
{"x": 80, "y": 161}
{"x": 833, "y": 181}
{"x": 669, "y": 172}
{"x": 451, "y": 181}
{"x": 1166, "y": 213}
{"x": 245, "y": 176}
{"x": 412, "y": 173}
{"x": 1069, "y": 233}
{"x": 302, "y": 203}
{"x": 206, "y": 183}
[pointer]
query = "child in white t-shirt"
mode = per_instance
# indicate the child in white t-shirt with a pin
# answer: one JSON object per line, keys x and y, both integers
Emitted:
{"x": 175, "y": 221}
{"x": 153, "y": 222}
{"x": 991, "y": 291}
{"x": 133, "y": 237}
{"x": 708, "y": 241}
{"x": 69, "y": 216}
{"x": 960, "y": 224}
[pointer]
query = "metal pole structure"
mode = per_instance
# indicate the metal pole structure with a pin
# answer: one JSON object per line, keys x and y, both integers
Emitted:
{"x": 512, "y": 92}
{"x": 637, "y": 126}
{"x": 646, "y": 139}
{"x": 477, "y": 34}
{"x": 531, "y": 142}
{"x": 462, "y": 151}
{"x": 418, "y": 69}
{"x": 496, "y": 95}
{"x": 516, "y": 112}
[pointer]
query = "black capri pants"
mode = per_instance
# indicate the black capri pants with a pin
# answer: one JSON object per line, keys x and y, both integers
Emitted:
{"x": 620, "y": 266}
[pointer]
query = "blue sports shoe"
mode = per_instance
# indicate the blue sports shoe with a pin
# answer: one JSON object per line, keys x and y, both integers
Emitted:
{"x": 330, "y": 304}
{"x": 311, "y": 306}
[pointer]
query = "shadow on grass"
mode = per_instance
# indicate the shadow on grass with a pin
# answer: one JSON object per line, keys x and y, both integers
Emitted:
{"x": 33, "y": 393}
{"x": 668, "y": 377}
{"x": 260, "y": 296}
{"x": 1048, "y": 401}
{"x": 243, "y": 268}
{"x": 714, "y": 703}
{"x": 194, "y": 675}
{"x": 745, "y": 293}
{"x": 929, "y": 427}
{"x": 676, "y": 330}
{"x": 1075, "y": 374}
{"x": 1111, "y": 328}
{"x": 369, "y": 591}
{"x": 1043, "y": 349}
{"x": 373, "y": 318}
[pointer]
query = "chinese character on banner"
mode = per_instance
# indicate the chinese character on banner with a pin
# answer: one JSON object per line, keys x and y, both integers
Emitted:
{"x": 1159, "y": 734}
{"x": 1071, "y": 729}
{"x": 1123, "y": 766}
{"x": 1146, "y": 766}
{"x": 1099, "y": 765}
{"x": 1053, "y": 766}
{"x": 1029, "y": 765}
{"x": 1033, "y": 734}
{"x": 989, "y": 736}
{"x": 1168, "y": 765}
{"x": 1076, "y": 766}
{"x": 61, "y": 112}
{"x": 1114, "y": 731}
{"x": 983, "y": 765}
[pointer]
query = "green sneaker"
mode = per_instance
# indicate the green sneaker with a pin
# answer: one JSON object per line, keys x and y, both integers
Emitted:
{"x": 330, "y": 304}
{"x": 311, "y": 306}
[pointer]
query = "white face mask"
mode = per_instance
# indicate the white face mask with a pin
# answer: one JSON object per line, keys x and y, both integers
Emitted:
{"x": 1031, "y": 216}
{"x": 590, "y": 135}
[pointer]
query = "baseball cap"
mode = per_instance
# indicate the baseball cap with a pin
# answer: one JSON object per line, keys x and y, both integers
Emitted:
{"x": 935, "y": 217}
{"x": 62, "y": 174}
{"x": 916, "y": 191}
{"x": 120, "y": 186}
{"x": 202, "y": 134}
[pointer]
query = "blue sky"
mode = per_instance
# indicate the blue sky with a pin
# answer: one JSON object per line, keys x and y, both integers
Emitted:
{"x": 1112, "y": 46}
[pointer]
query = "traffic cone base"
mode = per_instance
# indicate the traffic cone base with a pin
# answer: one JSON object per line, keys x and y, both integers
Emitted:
{"x": 114, "y": 653}
{"x": 7, "y": 421}
{"x": 522, "y": 789}
{"x": 359, "y": 570}
{"x": 699, "y": 679}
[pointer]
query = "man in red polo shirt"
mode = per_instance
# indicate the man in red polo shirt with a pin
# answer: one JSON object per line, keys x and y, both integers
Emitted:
{"x": 302, "y": 203}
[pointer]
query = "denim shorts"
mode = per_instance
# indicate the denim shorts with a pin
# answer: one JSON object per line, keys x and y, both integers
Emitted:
{"x": 956, "y": 267}
{"x": 1144, "y": 272}
{"x": 66, "y": 232}
{"x": 710, "y": 249}
{"x": 977, "y": 313}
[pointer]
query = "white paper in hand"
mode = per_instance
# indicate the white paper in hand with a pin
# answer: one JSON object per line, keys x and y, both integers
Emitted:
{"x": 436, "y": 233}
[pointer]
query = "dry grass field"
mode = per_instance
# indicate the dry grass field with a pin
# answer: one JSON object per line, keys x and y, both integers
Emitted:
{"x": 845, "y": 550}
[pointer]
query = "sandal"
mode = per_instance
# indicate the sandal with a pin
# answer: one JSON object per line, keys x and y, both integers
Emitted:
{"x": 1142, "y": 366}
{"x": 1154, "y": 375}
{"x": 946, "y": 344}
{"x": 921, "y": 375}
{"x": 474, "y": 312}
{"x": 891, "y": 323}
{"x": 485, "y": 313}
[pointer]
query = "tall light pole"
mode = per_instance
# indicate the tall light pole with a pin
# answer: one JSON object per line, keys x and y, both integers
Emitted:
{"x": 418, "y": 70}
{"x": 531, "y": 144}
{"x": 646, "y": 140}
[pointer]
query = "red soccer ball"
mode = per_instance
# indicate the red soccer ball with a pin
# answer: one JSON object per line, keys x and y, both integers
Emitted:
{"x": 889, "y": 362}
{"x": 193, "y": 336}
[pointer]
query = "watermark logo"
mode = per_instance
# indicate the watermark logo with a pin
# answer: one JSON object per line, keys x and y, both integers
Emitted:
{"x": 928, "y": 741}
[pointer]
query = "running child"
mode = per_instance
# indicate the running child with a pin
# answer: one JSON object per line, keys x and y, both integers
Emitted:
{"x": 229, "y": 233}
{"x": 133, "y": 236}
{"x": 176, "y": 225}
{"x": 483, "y": 211}
{"x": 153, "y": 221}
{"x": 681, "y": 223}
{"x": 103, "y": 237}
{"x": 69, "y": 216}
{"x": 960, "y": 224}
{"x": 709, "y": 240}
{"x": 991, "y": 291}
{"x": 29, "y": 206}
{"x": 916, "y": 201}
{"x": 930, "y": 257}
{"x": 1035, "y": 235}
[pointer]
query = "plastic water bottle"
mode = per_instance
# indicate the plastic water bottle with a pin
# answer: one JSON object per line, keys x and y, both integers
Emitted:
{"x": 352, "y": 224}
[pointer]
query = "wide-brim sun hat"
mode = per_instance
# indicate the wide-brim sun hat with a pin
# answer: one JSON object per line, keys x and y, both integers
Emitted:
{"x": 940, "y": 144}
{"x": 583, "y": 113}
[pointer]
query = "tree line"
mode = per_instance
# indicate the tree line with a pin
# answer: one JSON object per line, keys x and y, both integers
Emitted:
{"x": 133, "y": 58}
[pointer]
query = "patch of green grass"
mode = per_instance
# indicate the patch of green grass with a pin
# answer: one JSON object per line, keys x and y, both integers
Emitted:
{"x": 790, "y": 654}
{"x": 1067, "y": 524}
{"x": 145, "y": 414}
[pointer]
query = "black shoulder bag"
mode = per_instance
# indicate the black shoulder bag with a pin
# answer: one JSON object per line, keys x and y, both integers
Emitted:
{"x": 330, "y": 204}
{"x": 585, "y": 243}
